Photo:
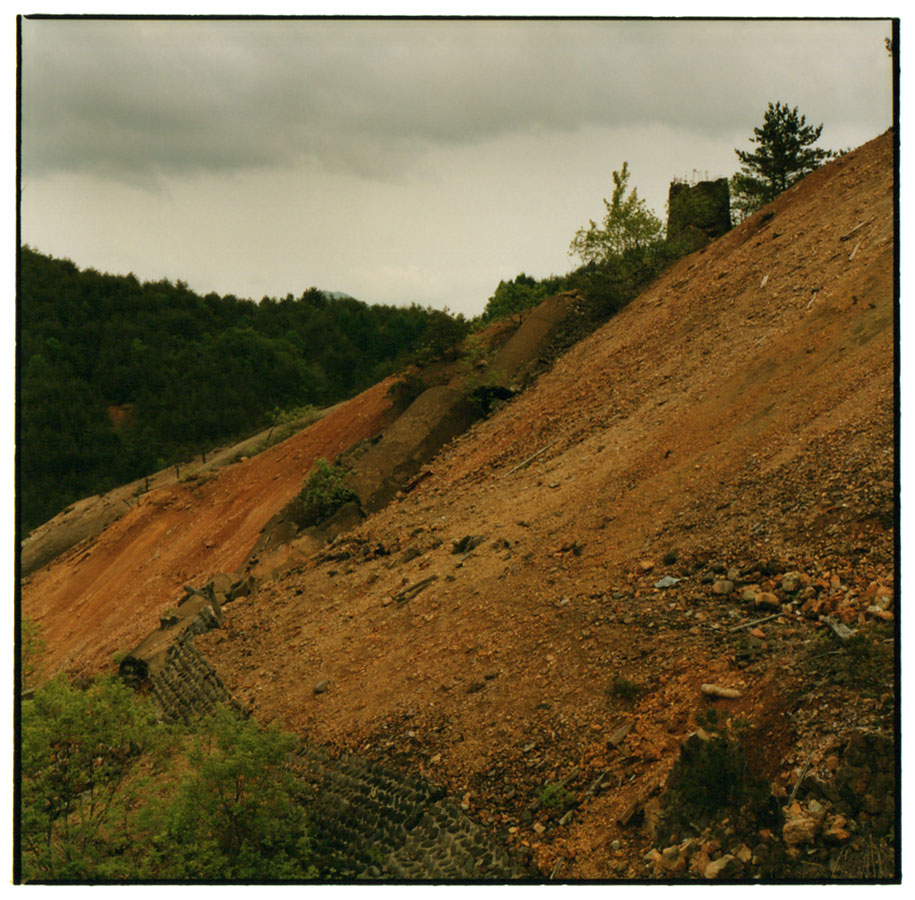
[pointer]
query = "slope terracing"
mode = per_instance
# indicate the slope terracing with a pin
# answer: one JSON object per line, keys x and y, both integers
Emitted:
{"x": 541, "y": 609}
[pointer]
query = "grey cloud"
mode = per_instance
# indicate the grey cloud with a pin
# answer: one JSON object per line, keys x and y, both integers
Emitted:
{"x": 140, "y": 98}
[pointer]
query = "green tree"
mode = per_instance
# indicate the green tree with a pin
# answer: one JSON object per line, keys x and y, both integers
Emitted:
{"x": 511, "y": 298}
{"x": 101, "y": 800}
{"x": 784, "y": 154}
{"x": 240, "y": 814}
{"x": 628, "y": 226}
{"x": 87, "y": 758}
{"x": 444, "y": 334}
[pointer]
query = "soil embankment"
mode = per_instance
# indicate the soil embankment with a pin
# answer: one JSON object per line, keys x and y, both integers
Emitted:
{"x": 730, "y": 428}
{"x": 104, "y": 595}
{"x": 679, "y": 502}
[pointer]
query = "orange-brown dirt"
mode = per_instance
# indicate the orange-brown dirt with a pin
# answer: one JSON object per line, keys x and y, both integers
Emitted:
{"x": 106, "y": 594}
{"x": 740, "y": 410}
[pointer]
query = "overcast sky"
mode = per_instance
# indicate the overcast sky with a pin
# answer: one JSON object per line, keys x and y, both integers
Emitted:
{"x": 398, "y": 161}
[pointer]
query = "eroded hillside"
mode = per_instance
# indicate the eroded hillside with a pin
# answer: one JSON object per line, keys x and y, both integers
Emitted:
{"x": 682, "y": 500}
{"x": 101, "y": 597}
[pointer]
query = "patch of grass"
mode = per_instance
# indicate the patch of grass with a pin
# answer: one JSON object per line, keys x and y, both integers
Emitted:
{"x": 555, "y": 796}
{"x": 864, "y": 662}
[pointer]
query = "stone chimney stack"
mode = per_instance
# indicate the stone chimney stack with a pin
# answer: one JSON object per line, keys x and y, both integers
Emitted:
{"x": 698, "y": 213}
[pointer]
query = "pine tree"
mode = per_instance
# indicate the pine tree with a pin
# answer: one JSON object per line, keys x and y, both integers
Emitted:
{"x": 784, "y": 154}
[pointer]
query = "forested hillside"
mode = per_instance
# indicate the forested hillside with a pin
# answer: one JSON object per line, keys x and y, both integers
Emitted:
{"x": 184, "y": 371}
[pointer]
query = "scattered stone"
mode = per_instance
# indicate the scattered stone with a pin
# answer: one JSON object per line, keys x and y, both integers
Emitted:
{"x": 646, "y": 565}
{"x": 467, "y": 543}
{"x": 836, "y": 831}
{"x": 767, "y": 600}
{"x": 651, "y": 810}
{"x": 672, "y": 860}
{"x": 882, "y": 597}
{"x": 618, "y": 736}
{"x": 714, "y": 690}
{"x": 800, "y": 826}
{"x": 723, "y": 586}
{"x": 791, "y": 582}
{"x": 733, "y": 574}
{"x": 839, "y": 629}
{"x": 698, "y": 863}
{"x": 321, "y": 687}
{"x": 667, "y": 581}
{"x": 728, "y": 866}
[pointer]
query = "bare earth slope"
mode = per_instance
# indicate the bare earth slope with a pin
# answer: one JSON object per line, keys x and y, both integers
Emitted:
{"x": 730, "y": 427}
{"x": 106, "y": 594}
{"x": 741, "y": 411}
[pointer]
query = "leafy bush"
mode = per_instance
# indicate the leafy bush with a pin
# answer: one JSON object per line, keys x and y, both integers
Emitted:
{"x": 709, "y": 777}
{"x": 555, "y": 796}
{"x": 624, "y": 689}
{"x": 324, "y": 493}
{"x": 101, "y": 800}
{"x": 239, "y": 814}
{"x": 444, "y": 333}
{"x": 31, "y": 647}
{"x": 87, "y": 762}
{"x": 406, "y": 389}
{"x": 511, "y": 298}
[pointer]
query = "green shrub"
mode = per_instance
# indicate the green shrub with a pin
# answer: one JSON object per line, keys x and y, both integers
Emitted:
{"x": 87, "y": 763}
{"x": 712, "y": 776}
{"x": 239, "y": 814}
{"x": 406, "y": 389}
{"x": 324, "y": 493}
{"x": 101, "y": 801}
{"x": 31, "y": 647}
{"x": 555, "y": 796}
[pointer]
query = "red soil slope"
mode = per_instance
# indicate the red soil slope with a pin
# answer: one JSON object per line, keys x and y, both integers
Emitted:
{"x": 105, "y": 595}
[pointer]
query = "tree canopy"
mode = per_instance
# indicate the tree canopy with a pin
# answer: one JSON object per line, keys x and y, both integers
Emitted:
{"x": 628, "y": 225}
{"x": 119, "y": 378}
{"x": 110, "y": 794}
{"x": 784, "y": 154}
